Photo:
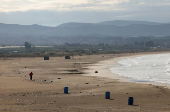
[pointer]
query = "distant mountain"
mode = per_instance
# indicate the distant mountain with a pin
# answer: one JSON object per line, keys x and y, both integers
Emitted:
{"x": 18, "y": 34}
{"x": 23, "y": 29}
{"x": 126, "y": 23}
{"x": 74, "y": 24}
{"x": 142, "y": 29}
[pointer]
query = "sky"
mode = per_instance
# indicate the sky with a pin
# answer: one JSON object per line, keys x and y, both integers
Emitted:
{"x": 56, "y": 12}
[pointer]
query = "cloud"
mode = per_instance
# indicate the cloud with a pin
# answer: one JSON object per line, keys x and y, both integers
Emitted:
{"x": 70, "y": 5}
{"x": 63, "y": 5}
{"x": 55, "y": 12}
{"x": 54, "y": 18}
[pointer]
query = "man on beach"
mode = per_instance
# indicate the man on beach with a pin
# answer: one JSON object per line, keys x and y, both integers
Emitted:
{"x": 31, "y": 74}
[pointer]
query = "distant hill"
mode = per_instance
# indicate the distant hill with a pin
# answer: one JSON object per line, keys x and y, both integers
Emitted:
{"x": 115, "y": 28}
{"x": 74, "y": 24}
{"x": 13, "y": 33}
{"x": 23, "y": 29}
{"x": 126, "y": 23}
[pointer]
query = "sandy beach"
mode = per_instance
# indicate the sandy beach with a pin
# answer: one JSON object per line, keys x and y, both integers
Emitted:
{"x": 45, "y": 93}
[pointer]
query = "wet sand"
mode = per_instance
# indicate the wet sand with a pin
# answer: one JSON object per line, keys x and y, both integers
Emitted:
{"x": 45, "y": 93}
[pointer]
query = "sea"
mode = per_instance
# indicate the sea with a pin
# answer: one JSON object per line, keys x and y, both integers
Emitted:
{"x": 145, "y": 68}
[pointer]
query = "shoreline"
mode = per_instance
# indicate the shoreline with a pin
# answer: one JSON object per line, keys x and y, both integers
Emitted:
{"x": 106, "y": 65}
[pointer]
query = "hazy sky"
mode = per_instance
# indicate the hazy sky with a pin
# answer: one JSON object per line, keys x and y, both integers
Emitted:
{"x": 55, "y": 12}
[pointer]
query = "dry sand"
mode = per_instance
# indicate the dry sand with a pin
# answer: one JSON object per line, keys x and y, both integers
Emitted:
{"x": 45, "y": 93}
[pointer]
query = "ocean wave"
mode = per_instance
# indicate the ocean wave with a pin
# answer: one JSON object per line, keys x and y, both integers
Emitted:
{"x": 147, "y": 67}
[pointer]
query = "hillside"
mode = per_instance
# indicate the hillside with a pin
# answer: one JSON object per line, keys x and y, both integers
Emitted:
{"x": 17, "y": 34}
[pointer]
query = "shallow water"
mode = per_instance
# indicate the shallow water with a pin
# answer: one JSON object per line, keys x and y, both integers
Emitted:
{"x": 154, "y": 68}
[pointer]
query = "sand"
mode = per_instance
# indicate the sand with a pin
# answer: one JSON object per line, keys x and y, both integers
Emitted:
{"x": 45, "y": 93}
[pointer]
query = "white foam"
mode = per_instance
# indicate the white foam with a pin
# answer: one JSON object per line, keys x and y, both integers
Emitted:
{"x": 148, "y": 67}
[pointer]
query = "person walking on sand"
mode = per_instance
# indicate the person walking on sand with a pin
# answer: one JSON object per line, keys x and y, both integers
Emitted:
{"x": 31, "y": 74}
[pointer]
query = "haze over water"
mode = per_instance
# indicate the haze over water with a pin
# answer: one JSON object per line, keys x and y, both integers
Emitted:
{"x": 154, "y": 68}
